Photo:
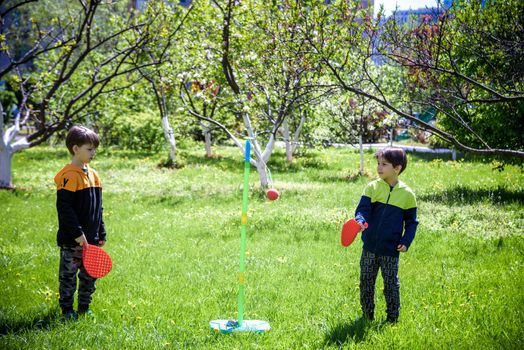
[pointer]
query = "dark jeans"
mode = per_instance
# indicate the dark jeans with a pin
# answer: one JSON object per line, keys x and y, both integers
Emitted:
{"x": 369, "y": 266}
{"x": 70, "y": 266}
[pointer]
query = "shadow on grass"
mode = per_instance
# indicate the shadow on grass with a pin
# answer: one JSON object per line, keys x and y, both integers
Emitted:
{"x": 342, "y": 177}
{"x": 343, "y": 332}
{"x": 467, "y": 195}
{"x": 428, "y": 157}
{"x": 126, "y": 154}
{"x": 222, "y": 162}
{"x": 466, "y": 157}
{"x": 37, "y": 154}
{"x": 277, "y": 163}
{"x": 42, "y": 321}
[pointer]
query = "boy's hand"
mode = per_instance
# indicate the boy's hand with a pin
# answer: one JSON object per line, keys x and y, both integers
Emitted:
{"x": 101, "y": 243}
{"x": 362, "y": 226}
{"x": 81, "y": 240}
{"x": 402, "y": 248}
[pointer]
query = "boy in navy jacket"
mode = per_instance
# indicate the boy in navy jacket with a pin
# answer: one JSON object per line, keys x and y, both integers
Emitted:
{"x": 389, "y": 208}
{"x": 79, "y": 207}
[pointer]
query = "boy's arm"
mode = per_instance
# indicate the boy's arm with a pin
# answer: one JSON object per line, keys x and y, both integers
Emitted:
{"x": 66, "y": 214}
{"x": 102, "y": 230}
{"x": 410, "y": 227}
{"x": 363, "y": 211}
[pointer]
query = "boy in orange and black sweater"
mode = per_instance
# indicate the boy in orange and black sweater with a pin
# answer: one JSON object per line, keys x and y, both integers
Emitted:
{"x": 79, "y": 206}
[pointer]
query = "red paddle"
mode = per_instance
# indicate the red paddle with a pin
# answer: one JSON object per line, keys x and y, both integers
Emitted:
{"x": 350, "y": 229}
{"x": 96, "y": 261}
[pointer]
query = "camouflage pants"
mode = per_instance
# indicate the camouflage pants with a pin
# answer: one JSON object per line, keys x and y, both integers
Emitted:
{"x": 369, "y": 266}
{"x": 70, "y": 265}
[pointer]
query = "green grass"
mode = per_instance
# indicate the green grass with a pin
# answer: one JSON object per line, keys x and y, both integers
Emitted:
{"x": 174, "y": 239}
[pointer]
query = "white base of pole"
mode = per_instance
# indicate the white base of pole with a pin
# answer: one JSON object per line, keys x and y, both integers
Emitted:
{"x": 229, "y": 326}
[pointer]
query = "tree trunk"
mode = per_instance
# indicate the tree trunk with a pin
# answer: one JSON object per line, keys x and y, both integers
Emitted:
{"x": 297, "y": 132}
{"x": 262, "y": 172}
{"x": 287, "y": 141}
{"x": 6, "y": 156}
{"x": 168, "y": 130}
{"x": 261, "y": 157}
{"x": 361, "y": 147}
{"x": 170, "y": 137}
{"x": 207, "y": 138}
{"x": 291, "y": 144}
{"x": 8, "y": 148}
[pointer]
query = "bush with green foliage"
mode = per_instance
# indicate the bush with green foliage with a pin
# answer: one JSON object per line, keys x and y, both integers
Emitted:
{"x": 138, "y": 131}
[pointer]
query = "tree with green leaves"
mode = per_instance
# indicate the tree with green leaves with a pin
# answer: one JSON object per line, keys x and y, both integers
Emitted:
{"x": 266, "y": 81}
{"x": 160, "y": 77}
{"x": 72, "y": 56}
{"x": 465, "y": 65}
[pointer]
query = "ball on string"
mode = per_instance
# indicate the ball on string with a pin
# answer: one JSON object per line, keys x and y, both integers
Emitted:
{"x": 272, "y": 194}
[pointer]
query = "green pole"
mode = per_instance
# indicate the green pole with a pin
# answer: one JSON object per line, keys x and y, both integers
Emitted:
{"x": 243, "y": 236}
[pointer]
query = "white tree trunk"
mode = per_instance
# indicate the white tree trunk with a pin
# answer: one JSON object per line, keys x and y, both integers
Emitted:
{"x": 261, "y": 157}
{"x": 262, "y": 172}
{"x": 8, "y": 148}
{"x": 291, "y": 144}
{"x": 170, "y": 137}
{"x": 361, "y": 147}
{"x": 6, "y": 155}
{"x": 287, "y": 141}
{"x": 5, "y": 168}
{"x": 207, "y": 139}
{"x": 298, "y": 131}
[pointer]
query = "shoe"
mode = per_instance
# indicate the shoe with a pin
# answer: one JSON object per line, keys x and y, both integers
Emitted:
{"x": 84, "y": 310}
{"x": 69, "y": 315}
{"x": 87, "y": 313}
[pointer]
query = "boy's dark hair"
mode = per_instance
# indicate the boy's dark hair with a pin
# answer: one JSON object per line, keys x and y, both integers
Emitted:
{"x": 395, "y": 156}
{"x": 79, "y": 135}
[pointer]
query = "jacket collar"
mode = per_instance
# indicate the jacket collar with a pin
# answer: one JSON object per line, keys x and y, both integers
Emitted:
{"x": 399, "y": 183}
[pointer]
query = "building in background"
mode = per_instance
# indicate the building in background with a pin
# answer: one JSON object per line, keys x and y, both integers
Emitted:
{"x": 413, "y": 18}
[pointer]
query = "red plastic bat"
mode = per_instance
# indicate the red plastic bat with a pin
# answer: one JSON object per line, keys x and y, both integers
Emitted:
{"x": 96, "y": 261}
{"x": 350, "y": 229}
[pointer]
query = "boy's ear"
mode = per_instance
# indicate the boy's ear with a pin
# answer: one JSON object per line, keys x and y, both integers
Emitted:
{"x": 398, "y": 168}
{"x": 75, "y": 149}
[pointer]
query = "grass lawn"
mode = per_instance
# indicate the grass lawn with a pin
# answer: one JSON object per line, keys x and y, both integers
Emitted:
{"x": 174, "y": 239}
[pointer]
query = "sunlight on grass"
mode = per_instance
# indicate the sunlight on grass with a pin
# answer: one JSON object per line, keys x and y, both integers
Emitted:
{"x": 174, "y": 239}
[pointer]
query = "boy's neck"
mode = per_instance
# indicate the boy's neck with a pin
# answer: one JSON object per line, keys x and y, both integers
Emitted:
{"x": 392, "y": 182}
{"x": 78, "y": 163}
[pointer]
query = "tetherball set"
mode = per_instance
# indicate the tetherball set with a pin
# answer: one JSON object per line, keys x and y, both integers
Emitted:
{"x": 98, "y": 263}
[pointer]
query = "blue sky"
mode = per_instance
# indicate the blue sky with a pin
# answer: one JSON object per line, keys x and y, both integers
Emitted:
{"x": 389, "y": 5}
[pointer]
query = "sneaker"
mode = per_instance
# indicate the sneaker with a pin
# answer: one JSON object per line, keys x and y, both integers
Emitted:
{"x": 84, "y": 310}
{"x": 86, "y": 313}
{"x": 69, "y": 315}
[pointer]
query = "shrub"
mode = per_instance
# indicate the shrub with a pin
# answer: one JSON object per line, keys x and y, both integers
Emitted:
{"x": 141, "y": 131}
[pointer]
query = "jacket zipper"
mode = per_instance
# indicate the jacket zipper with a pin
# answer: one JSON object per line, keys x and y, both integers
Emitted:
{"x": 381, "y": 217}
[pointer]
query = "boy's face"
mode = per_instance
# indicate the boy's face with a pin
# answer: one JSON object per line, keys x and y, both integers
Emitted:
{"x": 385, "y": 169}
{"x": 84, "y": 153}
